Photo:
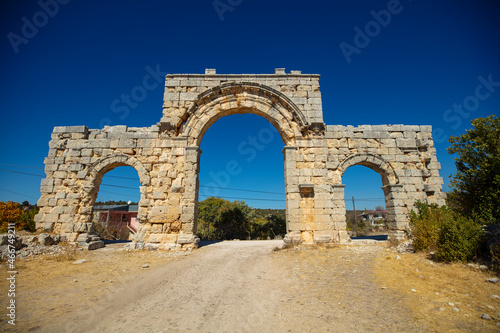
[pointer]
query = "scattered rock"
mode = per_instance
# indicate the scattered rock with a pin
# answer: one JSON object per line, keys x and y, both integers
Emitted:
{"x": 477, "y": 266}
{"x": 4, "y": 242}
{"x": 456, "y": 309}
{"x": 81, "y": 261}
{"x": 75, "y": 280}
{"x": 33, "y": 245}
{"x": 406, "y": 246}
{"x": 414, "y": 290}
{"x": 495, "y": 296}
{"x": 397, "y": 257}
{"x": 441, "y": 309}
{"x": 486, "y": 316}
{"x": 451, "y": 304}
{"x": 493, "y": 280}
{"x": 146, "y": 265}
{"x": 44, "y": 240}
{"x": 92, "y": 245}
{"x": 383, "y": 288}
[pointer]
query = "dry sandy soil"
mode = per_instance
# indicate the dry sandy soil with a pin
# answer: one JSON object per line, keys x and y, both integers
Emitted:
{"x": 245, "y": 286}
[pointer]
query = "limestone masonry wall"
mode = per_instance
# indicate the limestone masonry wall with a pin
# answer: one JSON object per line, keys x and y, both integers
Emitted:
{"x": 166, "y": 157}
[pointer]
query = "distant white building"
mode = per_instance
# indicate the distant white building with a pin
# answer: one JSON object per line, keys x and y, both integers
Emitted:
{"x": 374, "y": 217}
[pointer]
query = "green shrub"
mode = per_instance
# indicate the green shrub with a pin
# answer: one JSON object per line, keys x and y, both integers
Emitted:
{"x": 452, "y": 236}
{"x": 425, "y": 226}
{"x": 27, "y": 219}
{"x": 459, "y": 239}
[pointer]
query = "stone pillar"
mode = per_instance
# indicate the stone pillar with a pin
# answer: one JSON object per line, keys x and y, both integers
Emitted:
{"x": 397, "y": 211}
{"x": 339, "y": 214}
{"x": 293, "y": 224}
{"x": 307, "y": 216}
{"x": 189, "y": 201}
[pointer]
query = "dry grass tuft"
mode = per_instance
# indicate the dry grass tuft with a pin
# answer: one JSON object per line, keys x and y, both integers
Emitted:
{"x": 448, "y": 297}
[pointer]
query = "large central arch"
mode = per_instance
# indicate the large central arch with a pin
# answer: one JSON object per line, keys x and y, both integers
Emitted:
{"x": 242, "y": 98}
{"x": 230, "y": 99}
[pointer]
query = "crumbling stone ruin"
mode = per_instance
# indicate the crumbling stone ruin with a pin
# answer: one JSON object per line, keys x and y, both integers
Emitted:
{"x": 166, "y": 157}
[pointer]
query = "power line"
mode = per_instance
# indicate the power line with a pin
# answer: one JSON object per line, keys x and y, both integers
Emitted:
{"x": 32, "y": 174}
{"x": 131, "y": 178}
{"x": 133, "y": 188}
{"x": 22, "y": 173}
{"x": 223, "y": 188}
{"x": 202, "y": 195}
{"x": 24, "y": 195}
{"x": 133, "y": 195}
{"x": 239, "y": 189}
{"x": 21, "y": 166}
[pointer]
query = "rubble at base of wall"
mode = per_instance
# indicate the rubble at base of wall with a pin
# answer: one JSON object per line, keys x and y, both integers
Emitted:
{"x": 406, "y": 247}
{"x": 33, "y": 245}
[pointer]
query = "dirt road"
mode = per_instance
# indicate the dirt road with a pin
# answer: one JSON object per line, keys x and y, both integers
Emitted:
{"x": 244, "y": 286}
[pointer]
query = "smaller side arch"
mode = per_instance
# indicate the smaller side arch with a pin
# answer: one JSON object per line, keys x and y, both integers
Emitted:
{"x": 374, "y": 162}
{"x": 96, "y": 172}
{"x": 110, "y": 162}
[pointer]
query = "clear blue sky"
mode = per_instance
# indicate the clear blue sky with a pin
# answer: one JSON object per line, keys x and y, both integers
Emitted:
{"x": 85, "y": 54}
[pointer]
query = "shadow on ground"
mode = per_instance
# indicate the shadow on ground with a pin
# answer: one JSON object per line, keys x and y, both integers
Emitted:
{"x": 207, "y": 242}
{"x": 374, "y": 237}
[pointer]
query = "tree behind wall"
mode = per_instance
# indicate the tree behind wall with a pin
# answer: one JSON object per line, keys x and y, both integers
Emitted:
{"x": 220, "y": 219}
{"x": 476, "y": 185}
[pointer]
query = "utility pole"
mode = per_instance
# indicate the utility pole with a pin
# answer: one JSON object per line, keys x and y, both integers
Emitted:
{"x": 355, "y": 216}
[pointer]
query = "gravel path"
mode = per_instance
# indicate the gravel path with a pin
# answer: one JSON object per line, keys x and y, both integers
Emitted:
{"x": 243, "y": 286}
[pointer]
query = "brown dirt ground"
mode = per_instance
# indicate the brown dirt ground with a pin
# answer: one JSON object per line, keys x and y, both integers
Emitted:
{"x": 248, "y": 287}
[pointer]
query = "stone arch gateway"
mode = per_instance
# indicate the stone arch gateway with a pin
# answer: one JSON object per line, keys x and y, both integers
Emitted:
{"x": 166, "y": 156}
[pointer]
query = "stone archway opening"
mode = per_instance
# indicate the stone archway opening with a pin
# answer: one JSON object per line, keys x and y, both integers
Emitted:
{"x": 394, "y": 194}
{"x": 115, "y": 209}
{"x": 243, "y": 174}
{"x": 365, "y": 202}
{"x": 101, "y": 220}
